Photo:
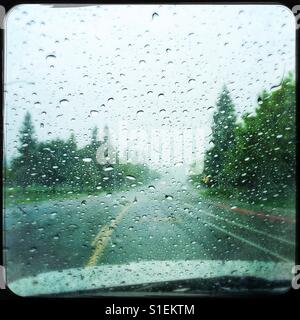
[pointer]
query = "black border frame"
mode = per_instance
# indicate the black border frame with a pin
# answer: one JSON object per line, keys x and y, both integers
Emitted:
{"x": 292, "y": 296}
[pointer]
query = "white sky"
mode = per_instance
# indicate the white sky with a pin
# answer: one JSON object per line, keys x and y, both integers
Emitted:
{"x": 120, "y": 52}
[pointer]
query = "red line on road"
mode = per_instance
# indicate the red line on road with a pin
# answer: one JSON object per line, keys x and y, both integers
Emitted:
{"x": 258, "y": 214}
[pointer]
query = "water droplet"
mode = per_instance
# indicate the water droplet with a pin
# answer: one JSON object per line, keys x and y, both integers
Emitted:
{"x": 93, "y": 113}
{"x": 63, "y": 102}
{"x": 155, "y": 15}
{"x": 275, "y": 88}
{"x": 139, "y": 112}
{"x": 260, "y": 100}
{"x": 50, "y": 59}
{"x": 130, "y": 177}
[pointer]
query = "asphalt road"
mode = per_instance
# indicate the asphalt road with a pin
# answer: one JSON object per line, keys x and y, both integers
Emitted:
{"x": 164, "y": 221}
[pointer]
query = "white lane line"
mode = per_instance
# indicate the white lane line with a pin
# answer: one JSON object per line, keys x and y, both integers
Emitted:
{"x": 251, "y": 229}
{"x": 249, "y": 242}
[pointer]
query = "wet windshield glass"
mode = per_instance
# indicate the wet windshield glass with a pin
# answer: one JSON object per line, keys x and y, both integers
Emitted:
{"x": 148, "y": 143}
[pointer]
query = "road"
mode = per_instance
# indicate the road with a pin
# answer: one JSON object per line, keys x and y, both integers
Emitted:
{"x": 164, "y": 221}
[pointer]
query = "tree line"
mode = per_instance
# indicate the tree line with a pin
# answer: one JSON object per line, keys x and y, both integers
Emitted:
{"x": 254, "y": 157}
{"x": 58, "y": 163}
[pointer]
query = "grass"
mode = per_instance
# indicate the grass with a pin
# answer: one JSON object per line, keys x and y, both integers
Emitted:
{"x": 38, "y": 193}
{"x": 282, "y": 204}
{"x": 16, "y": 195}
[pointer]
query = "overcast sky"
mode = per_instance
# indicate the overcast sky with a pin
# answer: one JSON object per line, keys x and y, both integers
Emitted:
{"x": 140, "y": 68}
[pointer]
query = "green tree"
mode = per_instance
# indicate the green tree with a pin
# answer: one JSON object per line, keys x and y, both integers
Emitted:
{"x": 24, "y": 166}
{"x": 223, "y": 138}
{"x": 263, "y": 160}
{"x": 71, "y": 161}
{"x": 61, "y": 166}
{"x": 89, "y": 173}
{"x": 28, "y": 141}
{"x": 94, "y": 140}
{"x": 51, "y": 163}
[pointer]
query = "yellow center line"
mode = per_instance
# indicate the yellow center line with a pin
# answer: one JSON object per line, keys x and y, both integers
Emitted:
{"x": 101, "y": 240}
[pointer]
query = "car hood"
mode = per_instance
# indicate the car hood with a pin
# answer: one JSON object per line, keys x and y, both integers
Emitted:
{"x": 135, "y": 273}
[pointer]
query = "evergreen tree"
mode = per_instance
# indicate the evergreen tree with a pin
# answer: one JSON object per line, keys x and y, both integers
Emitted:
{"x": 223, "y": 138}
{"x": 28, "y": 141}
{"x": 94, "y": 140}
{"x": 51, "y": 163}
{"x": 264, "y": 157}
{"x": 71, "y": 143}
{"x": 24, "y": 166}
{"x": 72, "y": 168}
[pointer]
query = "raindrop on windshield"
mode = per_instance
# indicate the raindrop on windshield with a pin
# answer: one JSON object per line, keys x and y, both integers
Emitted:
{"x": 275, "y": 88}
{"x": 51, "y": 59}
{"x": 63, "y": 102}
{"x": 139, "y": 112}
{"x": 130, "y": 178}
{"x": 109, "y": 168}
{"x": 155, "y": 15}
{"x": 93, "y": 113}
{"x": 168, "y": 197}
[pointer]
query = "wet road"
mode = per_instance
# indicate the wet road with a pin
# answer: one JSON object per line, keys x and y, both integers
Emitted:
{"x": 164, "y": 221}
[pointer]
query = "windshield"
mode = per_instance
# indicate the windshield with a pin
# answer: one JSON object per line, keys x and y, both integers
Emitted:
{"x": 148, "y": 143}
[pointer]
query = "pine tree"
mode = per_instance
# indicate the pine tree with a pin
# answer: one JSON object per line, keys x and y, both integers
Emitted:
{"x": 28, "y": 141}
{"x": 94, "y": 140}
{"x": 223, "y": 137}
{"x": 72, "y": 145}
{"x": 263, "y": 161}
{"x": 24, "y": 166}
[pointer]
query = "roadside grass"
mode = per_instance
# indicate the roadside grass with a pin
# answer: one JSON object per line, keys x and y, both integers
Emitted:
{"x": 283, "y": 205}
{"x": 16, "y": 195}
{"x": 37, "y": 193}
